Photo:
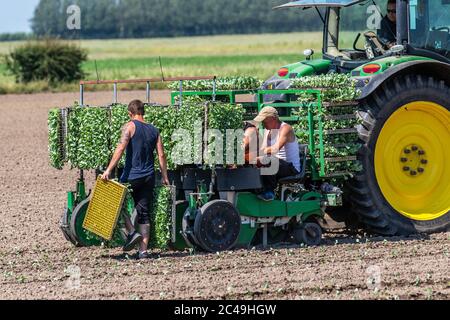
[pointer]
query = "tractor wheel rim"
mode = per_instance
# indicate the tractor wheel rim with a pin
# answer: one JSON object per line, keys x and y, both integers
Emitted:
{"x": 411, "y": 161}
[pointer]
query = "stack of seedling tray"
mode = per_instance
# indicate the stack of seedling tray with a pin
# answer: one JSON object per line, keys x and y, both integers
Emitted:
{"x": 335, "y": 123}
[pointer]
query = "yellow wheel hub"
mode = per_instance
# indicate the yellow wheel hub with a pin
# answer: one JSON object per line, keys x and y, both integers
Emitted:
{"x": 412, "y": 161}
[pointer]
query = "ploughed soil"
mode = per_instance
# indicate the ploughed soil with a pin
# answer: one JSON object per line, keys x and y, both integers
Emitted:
{"x": 36, "y": 262}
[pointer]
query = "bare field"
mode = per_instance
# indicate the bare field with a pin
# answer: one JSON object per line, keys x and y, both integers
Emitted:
{"x": 35, "y": 257}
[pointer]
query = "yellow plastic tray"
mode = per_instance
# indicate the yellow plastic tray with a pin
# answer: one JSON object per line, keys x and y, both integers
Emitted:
{"x": 104, "y": 208}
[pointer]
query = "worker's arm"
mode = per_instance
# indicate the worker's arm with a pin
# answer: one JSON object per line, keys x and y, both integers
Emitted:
{"x": 284, "y": 137}
{"x": 127, "y": 133}
{"x": 162, "y": 161}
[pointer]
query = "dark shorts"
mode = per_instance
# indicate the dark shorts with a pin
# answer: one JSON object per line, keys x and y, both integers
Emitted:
{"x": 286, "y": 169}
{"x": 143, "y": 197}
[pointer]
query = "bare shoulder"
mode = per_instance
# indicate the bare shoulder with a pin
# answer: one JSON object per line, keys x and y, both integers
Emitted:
{"x": 251, "y": 131}
{"x": 128, "y": 131}
{"x": 130, "y": 127}
{"x": 287, "y": 128}
{"x": 288, "y": 131}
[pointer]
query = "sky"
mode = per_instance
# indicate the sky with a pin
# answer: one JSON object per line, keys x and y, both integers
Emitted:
{"x": 15, "y": 15}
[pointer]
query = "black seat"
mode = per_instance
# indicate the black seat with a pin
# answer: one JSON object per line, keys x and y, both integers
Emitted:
{"x": 299, "y": 177}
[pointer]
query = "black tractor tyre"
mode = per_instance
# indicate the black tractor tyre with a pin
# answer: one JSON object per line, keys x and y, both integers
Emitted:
{"x": 368, "y": 201}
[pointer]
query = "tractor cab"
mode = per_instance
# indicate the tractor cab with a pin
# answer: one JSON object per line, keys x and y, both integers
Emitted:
{"x": 357, "y": 33}
{"x": 429, "y": 29}
{"x": 350, "y": 34}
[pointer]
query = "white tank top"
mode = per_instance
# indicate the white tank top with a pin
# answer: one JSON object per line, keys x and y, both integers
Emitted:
{"x": 289, "y": 153}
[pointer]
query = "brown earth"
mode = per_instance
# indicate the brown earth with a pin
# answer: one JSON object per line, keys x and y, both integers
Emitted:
{"x": 35, "y": 259}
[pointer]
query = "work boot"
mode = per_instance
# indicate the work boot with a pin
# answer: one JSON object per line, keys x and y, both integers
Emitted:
{"x": 143, "y": 255}
{"x": 132, "y": 240}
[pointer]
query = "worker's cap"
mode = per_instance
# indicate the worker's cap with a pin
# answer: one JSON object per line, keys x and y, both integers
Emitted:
{"x": 267, "y": 112}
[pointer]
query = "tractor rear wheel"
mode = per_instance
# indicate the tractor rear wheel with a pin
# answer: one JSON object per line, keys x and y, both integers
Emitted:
{"x": 404, "y": 187}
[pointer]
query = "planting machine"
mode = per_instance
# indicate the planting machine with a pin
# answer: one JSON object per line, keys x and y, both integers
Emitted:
{"x": 402, "y": 185}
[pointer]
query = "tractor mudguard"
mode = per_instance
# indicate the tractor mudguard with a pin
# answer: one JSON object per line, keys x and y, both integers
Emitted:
{"x": 435, "y": 69}
{"x": 296, "y": 70}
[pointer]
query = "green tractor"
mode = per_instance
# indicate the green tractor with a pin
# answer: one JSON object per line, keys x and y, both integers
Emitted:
{"x": 404, "y": 187}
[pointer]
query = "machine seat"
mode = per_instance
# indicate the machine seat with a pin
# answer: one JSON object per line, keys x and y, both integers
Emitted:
{"x": 293, "y": 179}
{"x": 299, "y": 177}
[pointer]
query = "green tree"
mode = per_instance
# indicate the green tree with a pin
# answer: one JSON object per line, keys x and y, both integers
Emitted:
{"x": 162, "y": 18}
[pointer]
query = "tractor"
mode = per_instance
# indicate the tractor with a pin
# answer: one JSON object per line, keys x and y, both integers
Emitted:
{"x": 404, "y": 187}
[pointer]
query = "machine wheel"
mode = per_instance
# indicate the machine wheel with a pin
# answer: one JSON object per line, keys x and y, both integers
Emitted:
{"x": 217, "y": 226}
{"x": 187, "y": 232}
{"x": 309, "y": 234}
{"x": 404, "y": 185}
{"x": 64, "y": 225}
{"x": 82, "y": 237}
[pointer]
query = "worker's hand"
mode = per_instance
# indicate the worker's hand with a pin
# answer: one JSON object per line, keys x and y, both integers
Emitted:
{"x": 165, "y": 181}
{"x": 106, "y": 175}
{"x": 267, "y": 152}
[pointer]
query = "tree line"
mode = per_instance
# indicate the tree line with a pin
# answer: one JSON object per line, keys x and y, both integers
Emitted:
{"x": 168, "y": 18}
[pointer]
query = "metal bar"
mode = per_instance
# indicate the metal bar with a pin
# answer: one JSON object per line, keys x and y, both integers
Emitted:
{"x": 321, "y": 146}
{"x": 341, "y": 104}
{"x": 148, "y": 92}
{"x": 214, "y": 90}
{"x": 81, "y": 95}
{"x": 260, "y": 101}
{"x": 205, "y": 145}
{"x": 97, "y": 82}
{"x": 341, "y": 131}
{"x": 173, "y": 191}
{"x": 232, "y": 98}
{"x": 65, "y": 124}
{"x": 180, "y": 103}
{"x": 265, "y": 231}
{"x": 281, "y": 91}
{"x": 342, "y": 159}
{"x": 218, "y": 92}
{"x": 312, "y": 145}
{"x": 189, "y": 78}
{"x": 290, "y": 105}
{"x": 115, "y": 93}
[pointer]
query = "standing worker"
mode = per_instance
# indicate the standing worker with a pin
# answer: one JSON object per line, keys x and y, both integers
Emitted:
{"x": 140, "y": 140}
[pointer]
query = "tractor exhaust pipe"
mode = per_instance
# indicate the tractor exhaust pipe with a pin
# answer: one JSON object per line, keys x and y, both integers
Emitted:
{"x": 402, "y": 22}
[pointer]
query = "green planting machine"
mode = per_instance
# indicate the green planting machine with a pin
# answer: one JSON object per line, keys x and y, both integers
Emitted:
{"x": 373, "y": 123}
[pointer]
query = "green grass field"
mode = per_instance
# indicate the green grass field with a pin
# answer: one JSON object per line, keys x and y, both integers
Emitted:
{"x": 255, "y": 55}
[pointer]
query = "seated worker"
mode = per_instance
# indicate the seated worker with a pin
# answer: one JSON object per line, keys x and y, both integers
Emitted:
{"x": 281, "y": 142}
{"x": 251, "y": 143}
{"x": 388, "y": 30}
